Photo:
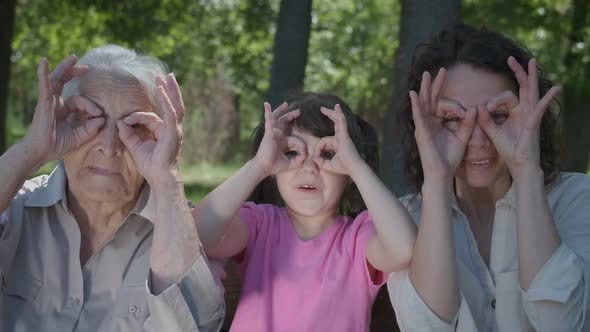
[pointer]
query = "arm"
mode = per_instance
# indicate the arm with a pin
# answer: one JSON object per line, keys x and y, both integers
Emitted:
{"x": 433, "y": 270}
{"x": 224, "y": 234}
{"x": 391, "y": 248}
{"x": 183, "y": 293}
{"x": 49, "y": 137}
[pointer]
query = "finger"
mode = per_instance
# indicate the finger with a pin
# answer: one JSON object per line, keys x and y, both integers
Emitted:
{"x": 281, "y": 110}
{"x": 43, "y": 78}
{"x": 544, "y": 103}
{"x": 169, "y": 114}
{"x": 467, "y": 124}
{"x": 127, "y": 135}
{"x": 88, "y": 130}
{"x": 425, "y": 85}
{"x": 504, "y": 98}
{"x": 62, "y": 74}
{"x": 533, "y": 82}
{"x": 485, "y": 121}
{"x": 268, "y": 125}
{"x": 341, "y": 127}
{"x": 79, "y": 103}
{"x": 445, "y": 106}
{"x": 286, "y": 119}
{"x": 437, "y": 84}
{"x": 416, "y": 112}
{"x": 521, "y": 76}
{"x": 149, "y": 119}
{"x": 79, "y": 70}
{"x": 296, "y": 144}
{"x": 175, "y": 95}
{"x": 325, "y": 143}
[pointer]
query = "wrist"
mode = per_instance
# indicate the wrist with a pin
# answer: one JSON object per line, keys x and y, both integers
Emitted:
{"x": 258, "y": 171}
{"x": 524, "y": 175}
{"x": 357, "y": 167}
{"x": 165, "y": 180}
{"x": 438, "y": 185}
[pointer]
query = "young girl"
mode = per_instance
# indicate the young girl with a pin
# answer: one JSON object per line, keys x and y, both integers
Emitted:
{"x": 305, "y": 267}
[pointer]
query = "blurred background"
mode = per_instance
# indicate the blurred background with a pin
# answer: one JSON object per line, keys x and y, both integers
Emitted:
{"x": 230, "y": 56}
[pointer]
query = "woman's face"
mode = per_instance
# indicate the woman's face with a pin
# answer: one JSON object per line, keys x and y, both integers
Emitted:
{"x": 102, "y": 169}
{"x": 482, "y": 166}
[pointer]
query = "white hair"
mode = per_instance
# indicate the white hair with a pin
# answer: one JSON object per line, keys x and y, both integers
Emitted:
{"x": 122, "y": 61}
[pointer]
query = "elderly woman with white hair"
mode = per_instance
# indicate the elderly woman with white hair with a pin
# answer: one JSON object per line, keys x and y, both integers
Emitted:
{"x": 107, "y": 241}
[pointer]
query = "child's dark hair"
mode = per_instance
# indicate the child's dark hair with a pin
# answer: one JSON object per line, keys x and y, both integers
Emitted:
{"x": 312, "y": 121}
{"x": 482, "y": 49}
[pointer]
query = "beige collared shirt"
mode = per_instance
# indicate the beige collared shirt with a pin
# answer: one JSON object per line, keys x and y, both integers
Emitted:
{"x": 44, "y": 288}
{"x": 491, "y": 299}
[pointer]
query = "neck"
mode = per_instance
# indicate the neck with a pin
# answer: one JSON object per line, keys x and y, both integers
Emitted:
{"x": 308, "y": 227}
{"x": 98, "y": 217}
{"x": 479, "y": 203}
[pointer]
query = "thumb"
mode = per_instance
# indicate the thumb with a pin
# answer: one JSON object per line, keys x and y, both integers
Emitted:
{"x": 88, "y": 130}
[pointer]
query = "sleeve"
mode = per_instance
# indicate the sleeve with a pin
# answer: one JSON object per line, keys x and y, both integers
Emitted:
{"x": 253, "y": 215}
{"x": 366, "y": 230}
{"x": 413, "y": 314}
{"x": 194, "y": 303}
{"x": 558, "y": 297}
{"x": 10, "y": 234}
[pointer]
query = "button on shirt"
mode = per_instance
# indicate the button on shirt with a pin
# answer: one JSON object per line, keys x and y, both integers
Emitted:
{"x": 491, "y": 299}
{"x": 44, "y": 288}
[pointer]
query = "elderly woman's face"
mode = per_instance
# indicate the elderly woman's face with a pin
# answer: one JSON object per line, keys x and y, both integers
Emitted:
{"x": 103, "y": 169}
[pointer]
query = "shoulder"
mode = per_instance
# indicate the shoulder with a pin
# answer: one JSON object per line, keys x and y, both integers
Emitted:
{"x": 570, "y": 188}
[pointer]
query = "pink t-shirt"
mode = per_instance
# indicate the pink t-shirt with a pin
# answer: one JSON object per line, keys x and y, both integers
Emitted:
{"x": 322, "y": 284}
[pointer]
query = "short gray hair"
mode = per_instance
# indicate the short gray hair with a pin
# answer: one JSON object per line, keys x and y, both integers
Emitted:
{"x": 120, "y": 60}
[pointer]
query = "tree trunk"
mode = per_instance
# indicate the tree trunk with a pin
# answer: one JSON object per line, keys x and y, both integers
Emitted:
{"x": 575, "y": 110}
{"x": 420, "y": 20}
{"x": 7, "y": 13}
{"x": 290, "y": 49}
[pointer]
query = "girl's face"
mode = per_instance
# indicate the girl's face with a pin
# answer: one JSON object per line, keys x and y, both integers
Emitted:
{"x": 307, "y": 190}
{"x": 481, "y": 166}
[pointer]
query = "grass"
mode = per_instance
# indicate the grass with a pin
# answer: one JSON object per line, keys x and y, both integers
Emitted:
{"x": 198, "y": 179}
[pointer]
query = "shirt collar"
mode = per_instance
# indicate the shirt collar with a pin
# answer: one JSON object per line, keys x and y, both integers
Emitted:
{"x": 52, "y": 189}
{"x": 507, "y": 199}
{"x": 49, "y": 189}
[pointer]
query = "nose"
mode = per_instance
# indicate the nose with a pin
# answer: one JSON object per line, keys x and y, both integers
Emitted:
{"x": 478, "y": 138}
{"x": 109, "y": 142}
{"x": 309, "y": 165}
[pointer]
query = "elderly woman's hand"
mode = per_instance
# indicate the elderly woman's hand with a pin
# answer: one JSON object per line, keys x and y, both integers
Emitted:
{"x": 154, "y": 142}
{"x": 51, "y": 134}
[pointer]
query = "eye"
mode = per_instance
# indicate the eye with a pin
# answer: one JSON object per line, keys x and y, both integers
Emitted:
{"x": 499, "y": 117}
{"x": 451, "y": 123}
{"x": 291, "y": 154}
{"x": 136, "y": 126}
{"x": 327, "y": 154}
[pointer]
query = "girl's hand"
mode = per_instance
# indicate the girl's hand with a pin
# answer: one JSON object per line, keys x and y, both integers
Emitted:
{"x": 336, "y": 153}
{"x": 52, "y": 133}
{"x": 277, "y": 151}
{"x": 154, "y": 143}
{"x": 513, "y": 123}
{"x": 443, "y": 128}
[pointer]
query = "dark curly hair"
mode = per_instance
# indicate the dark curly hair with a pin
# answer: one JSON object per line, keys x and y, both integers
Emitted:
{"x": 311, "y": 120}
{"x": 482, "y": 49}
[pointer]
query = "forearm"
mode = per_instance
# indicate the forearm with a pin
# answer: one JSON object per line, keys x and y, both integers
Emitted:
{"x": 175, "y": 246}
{"x": 395, "y": 228}
{"x": 218, "y": 208}
{"x": 538, "y": 238}
{"x": 16, "y": 165}
{"x": 433, "y": 268}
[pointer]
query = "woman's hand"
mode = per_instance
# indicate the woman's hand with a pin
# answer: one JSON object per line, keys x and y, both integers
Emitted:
{"x": 52, "y": 133}
{"x": 336, "y": 154}
{"x": 277, "y": 151}
{"x": 154, "y": 142}
{"x": 513, "y": 123}
{"x": 443, "y": 128}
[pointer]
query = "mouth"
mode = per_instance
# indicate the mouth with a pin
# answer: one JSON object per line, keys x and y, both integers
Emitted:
{"x": 309, "y": 188}
{"x": 102, "y": 171}
{"x": 477, "y": 162}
